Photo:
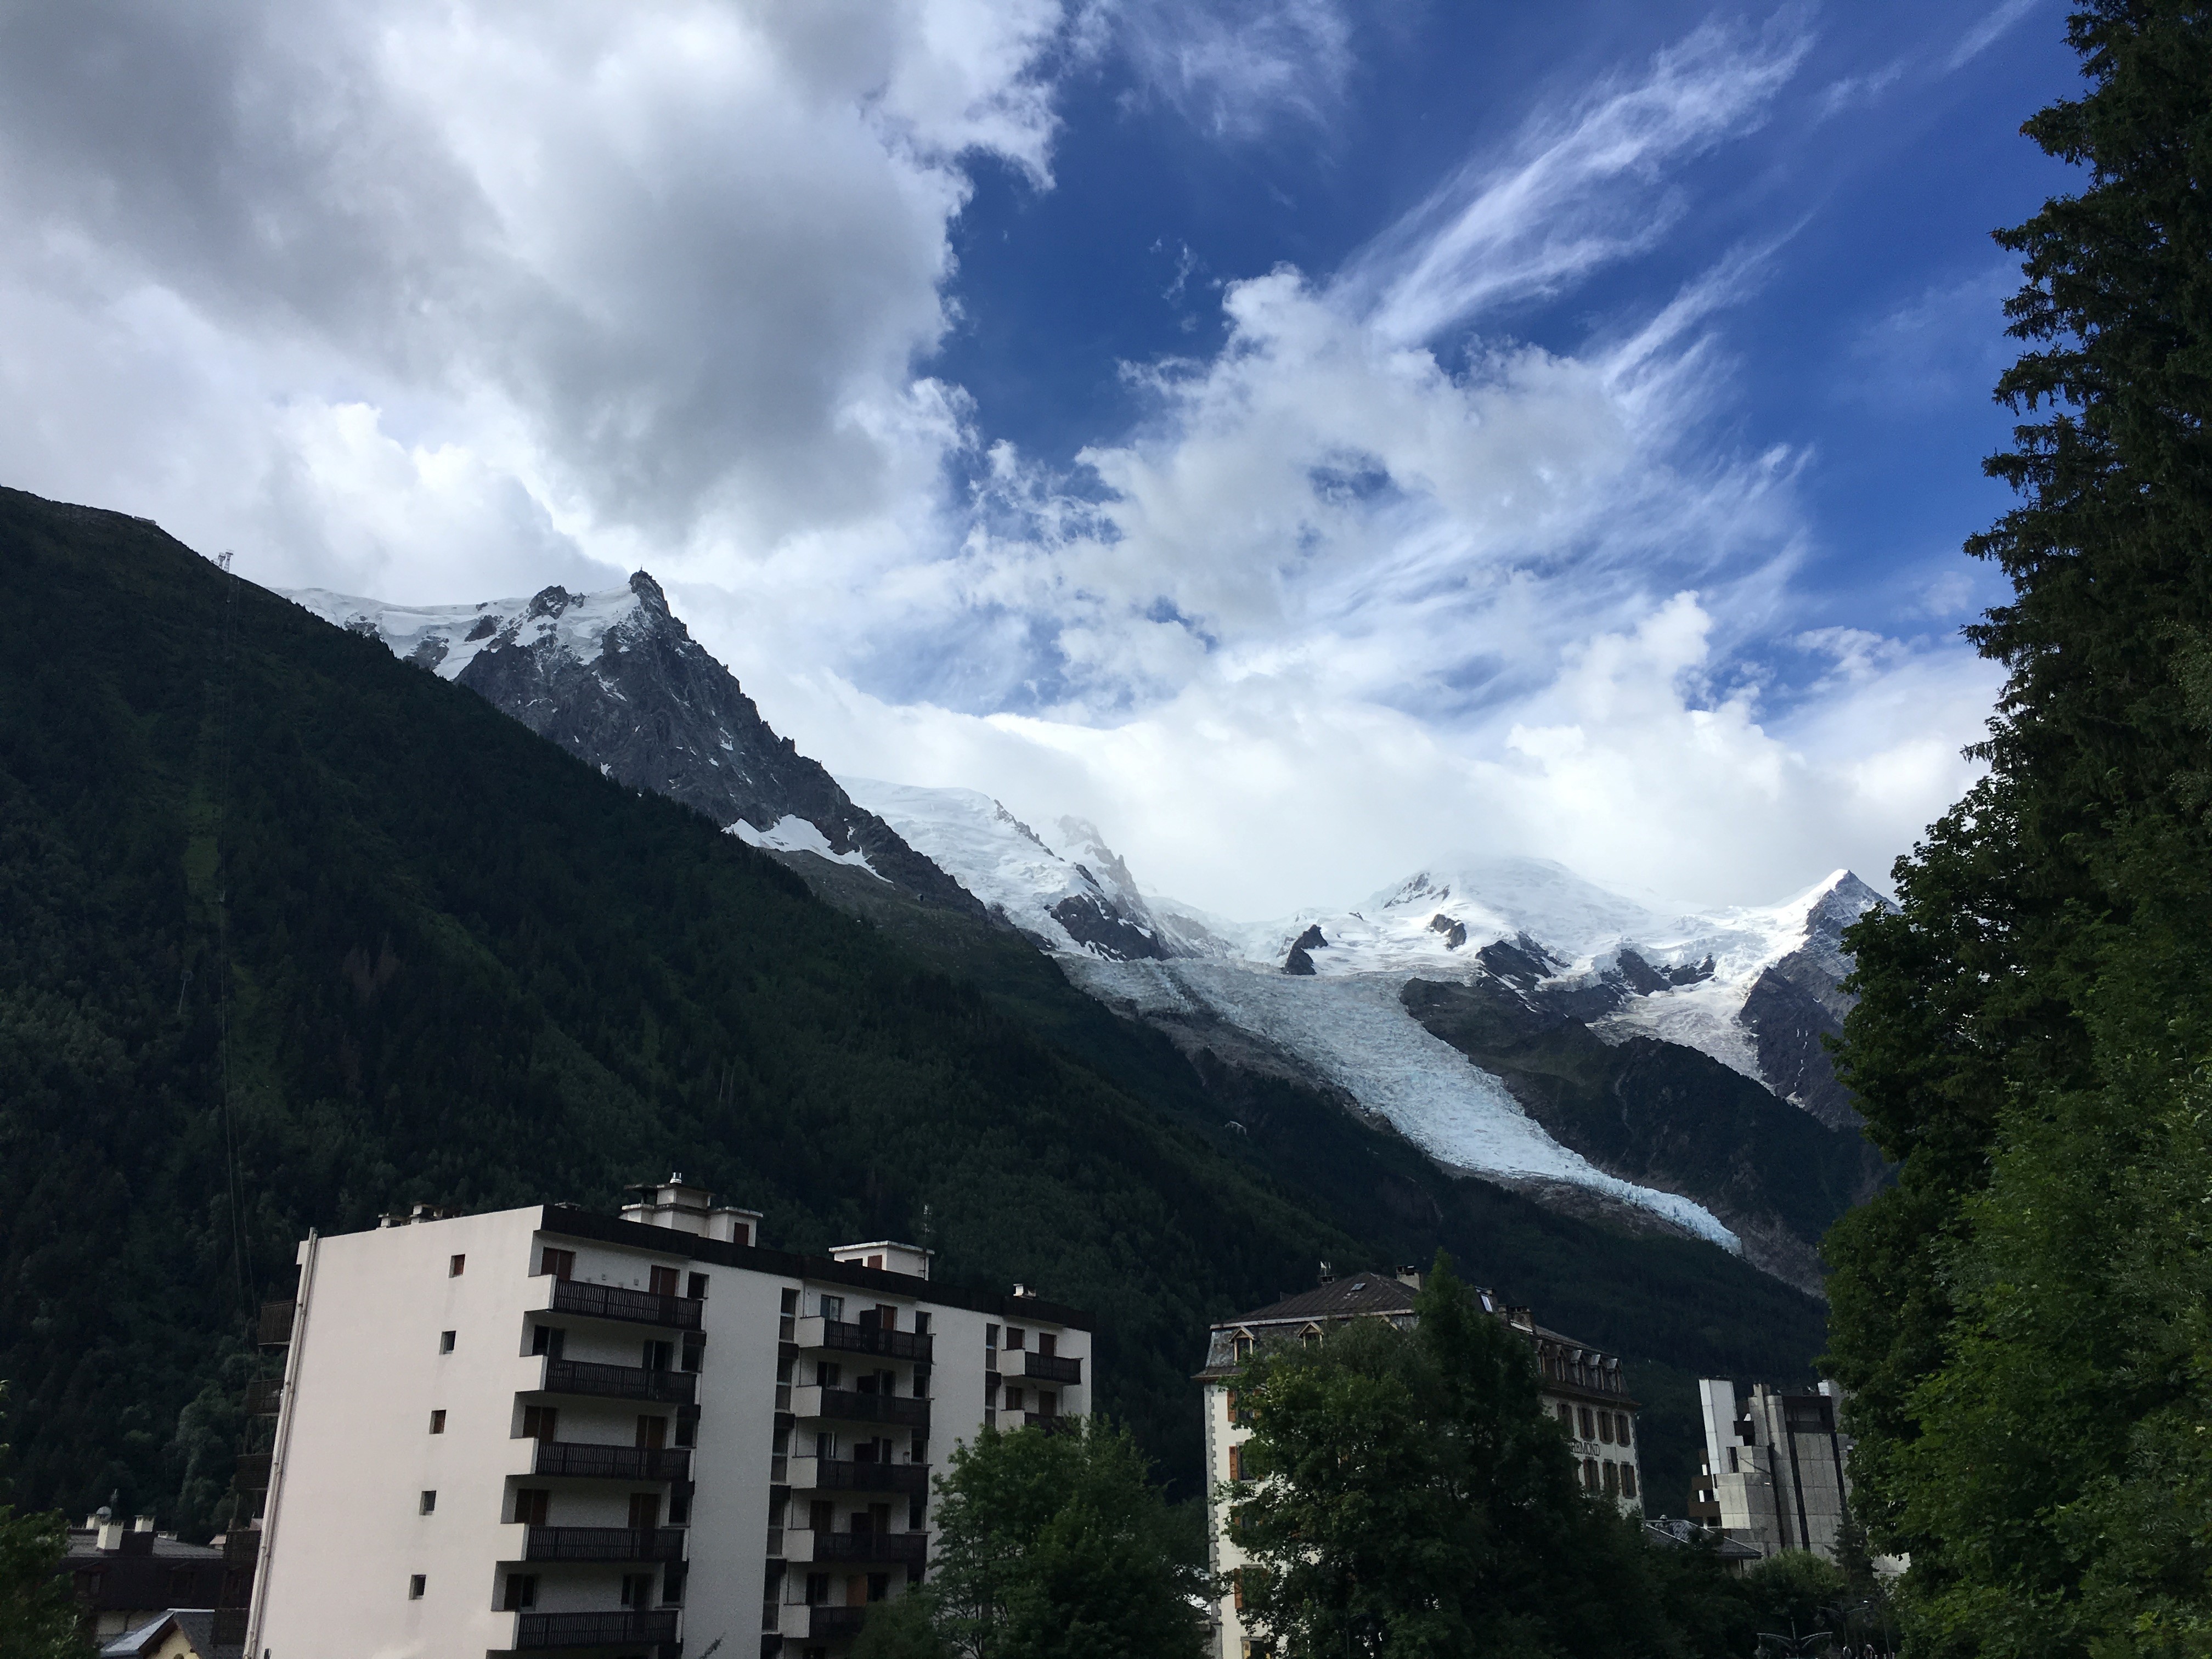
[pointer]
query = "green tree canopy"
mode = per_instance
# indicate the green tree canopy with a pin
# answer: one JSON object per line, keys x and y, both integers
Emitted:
{"x": 1057, "y": 1546}
{"x": 1405, "y": 1498}
{"x": 2023, "y": 1321}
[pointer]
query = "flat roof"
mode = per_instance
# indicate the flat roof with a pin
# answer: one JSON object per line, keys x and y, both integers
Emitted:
{"x": 573, "y": 1221}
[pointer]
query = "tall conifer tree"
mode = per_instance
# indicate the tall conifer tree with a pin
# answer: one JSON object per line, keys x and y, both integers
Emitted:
{"x": 2023, "y": 1321}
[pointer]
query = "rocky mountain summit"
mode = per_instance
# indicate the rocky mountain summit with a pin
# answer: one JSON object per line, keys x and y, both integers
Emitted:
{"x": 617, "y": 679}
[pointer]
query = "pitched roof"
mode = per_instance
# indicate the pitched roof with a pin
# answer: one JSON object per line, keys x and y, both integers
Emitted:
{"x": 1357, "y": 1293}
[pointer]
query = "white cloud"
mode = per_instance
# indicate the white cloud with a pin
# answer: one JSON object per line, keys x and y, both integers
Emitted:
{"x": 1232, "y": 68}
{"x": 445, "y": 301}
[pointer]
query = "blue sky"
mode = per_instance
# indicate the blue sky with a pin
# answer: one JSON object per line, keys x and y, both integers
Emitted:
{"x": 1309, "y": 439}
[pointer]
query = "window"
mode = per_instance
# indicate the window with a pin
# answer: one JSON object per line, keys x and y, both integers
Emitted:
{"x": 561, "y": 1264}
{"x": 1612, "y": 1478}
{"x": 880, "y": 1586}
{"x": 917, "y": 1450}
{"x": 827, "y": 1373}
{"x": 920, "y": 1323}
{"x": 445, "y": 1342}
{"x": 416, "y": 1586}
{"x": 694, "y": 1352}
{"x": 921, "y": 1382}
{"x": 637, "y": 1590}
{"x": 1047, "y": 1344}
{"x": 1566, "y": 1417}
{"x": 1628, "y": 1480}
{"x": 1013, "y": 1400}
{"x": 1589, "y": 1428}
{"x": 817, "y": 1589}
{"x": 454, "y": 1267}
{"x": 662, "y": 1281}
{"x": 833, "y": 1307}
{"x": 521, "y": 1592}
{"x": 697, "y": 1292}
{"x": 990, "y": 1336}
{"x": 877, "y": 1263}
{"x": 1605, "y": 1427}
{"x": 437, "y": 1422}
{"x": 644, "y": 1510}
{"x": 1048, "y": 1402}
{"x": 821, "y": 1515}
{"x": 1589, "y": 1473}
{"x": 531, "y": 1505}
{"x": 1237, "y": 1587}
{"x": 538, "y": 1422}
{"x": 1017, "y": 1338}
{"x": 886, "y": 1318}
{"x": 651, "y": 1432}
{"x": 790, "y": 1302}
{"x": 1620, "y": 1423}
{"x": 1236, "y": 1462}
{"x": 548, "y": 1340}
{"x": 671, "y": 1584}
{"x": 429, "y": 1502}
{"x": 916, "y": 1517}
{"x": 687, "y": 1428}
{"x": 1243, "y": 1347}
{"x": 658, "y": 1356}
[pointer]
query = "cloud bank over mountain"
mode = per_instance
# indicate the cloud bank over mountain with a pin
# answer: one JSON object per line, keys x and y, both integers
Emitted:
{"x": 432, "y": 301}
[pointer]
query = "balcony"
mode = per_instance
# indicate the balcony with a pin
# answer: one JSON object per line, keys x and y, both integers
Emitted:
{"x": 839, "y": 1337}
{"x": 855, "y": 1549}
{"x": 540, "y": 1632}
{"x": 265, "y": 1397}
{"x": 845, "y": 1406}
{"x": 1051, "y": 1423}
{"x": 838, "y": 1474}
{"x": 242, "y": 1548}
{"x": 1041, "y": 1368}
{"x": 253, "y": 1471}
{"x": 275, "y": 1327}
{"x": 603, "y": 1544}
{"x": 588, "y": 1377}
{"x": 580, "y": 1459}
{"x": 675, "y": 1313}
{"x": 802, "y": 1623}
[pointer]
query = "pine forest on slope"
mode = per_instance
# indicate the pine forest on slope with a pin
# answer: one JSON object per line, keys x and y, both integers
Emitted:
{"x": 460, "y": 966}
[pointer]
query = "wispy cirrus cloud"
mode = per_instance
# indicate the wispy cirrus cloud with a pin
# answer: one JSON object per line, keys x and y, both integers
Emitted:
{"x": 1233, "y": 67}
{"x": 1575, "y": 191}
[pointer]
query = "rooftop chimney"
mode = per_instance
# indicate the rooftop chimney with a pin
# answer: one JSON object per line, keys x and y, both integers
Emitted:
{"x": 1410, "y": 1275}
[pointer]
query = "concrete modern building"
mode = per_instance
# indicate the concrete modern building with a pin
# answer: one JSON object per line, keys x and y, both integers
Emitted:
{"x": 1777, "y": 1470}
{"x": 1582, "y": 1389}
{"x": 548, "y": 1430}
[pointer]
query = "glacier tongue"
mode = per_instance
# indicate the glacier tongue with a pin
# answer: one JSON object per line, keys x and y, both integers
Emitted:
{"x": 1353, "y": 1030}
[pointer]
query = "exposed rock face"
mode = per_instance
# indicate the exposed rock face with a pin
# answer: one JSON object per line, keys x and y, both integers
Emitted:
{"x": 1300, "y": 960}
{"x": 1800, "y": 999}
{"x": 1094, "y": 920}
{"x": 617, "y": 679}
{"x": 1661, "y": 1115}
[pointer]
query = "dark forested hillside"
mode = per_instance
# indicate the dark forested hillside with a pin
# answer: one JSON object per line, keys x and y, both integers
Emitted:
{"x": 457, "y": 965}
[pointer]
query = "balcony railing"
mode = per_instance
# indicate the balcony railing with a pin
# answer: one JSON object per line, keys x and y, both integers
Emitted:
{"x": 839, "y": 1475}
{"x": 829, "y": 1624}
{"x": 242, "y": 1548}
{"x": 909, "y": 1549}
{"x": 844, "y": 1338}
{"x": 579, "y": 1458}
{"x": 275, "y": 1329}
{"x": 1041, "y": 1368}
{"x": 589, "y": 1376}
{"x": 846, "y": 1406}
{"x": 603, "y": 1544}
{"x": 253, "y": 1471}
{"x": 613, "y": 1301}
{"x": 540, "y": 1630}
{"x": 265, "y": 1397}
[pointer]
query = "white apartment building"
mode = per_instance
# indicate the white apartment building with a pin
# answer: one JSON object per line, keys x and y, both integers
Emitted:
{"x": 1581, "y": 1387}
{"x": 551, "y": 1431}
{"x": 1776, "y": 1472}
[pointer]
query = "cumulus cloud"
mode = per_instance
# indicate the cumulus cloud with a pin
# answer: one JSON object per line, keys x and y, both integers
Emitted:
{"x": 442, "y": 300}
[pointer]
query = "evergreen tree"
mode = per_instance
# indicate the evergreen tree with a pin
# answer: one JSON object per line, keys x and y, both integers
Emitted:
{"x": 2023, "y": 1320}
{"x": 39, "y": 1620}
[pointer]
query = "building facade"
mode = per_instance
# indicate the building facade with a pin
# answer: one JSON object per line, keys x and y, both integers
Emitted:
{"x": 128, "y": 1577}
{"x": 549, "y": 1431}
{"x": 1582, "y": 1391}
{"x": 1777, "y": 1470}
